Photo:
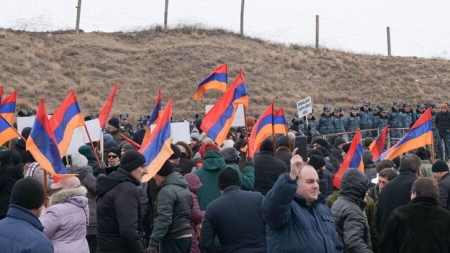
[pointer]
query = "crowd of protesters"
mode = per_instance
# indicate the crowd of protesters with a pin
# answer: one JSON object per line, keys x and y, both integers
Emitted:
{"x": 210, "y": 198}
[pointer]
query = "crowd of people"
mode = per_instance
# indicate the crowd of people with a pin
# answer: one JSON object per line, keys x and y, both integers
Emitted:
{"x": 210, "y": 198}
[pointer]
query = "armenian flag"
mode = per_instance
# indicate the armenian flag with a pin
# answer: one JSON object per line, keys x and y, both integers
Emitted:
{"x": 217, "y": 80}
{"x": 353, "y": 159}
{"x": 7, "y": 132}
{"x": 262, "y": 129}
{"x": 104, "y": 112}
{"x": 218, "y": 120}
{"x": 377, "y": 146}
{"x": 419, "y": 135}
{"x": 156, "y": 149}
{"x": 42, "y": 144}
{"x": 279, "y": 122}
{"x": 8, "y": 107}
{"x": 64, "y": 121}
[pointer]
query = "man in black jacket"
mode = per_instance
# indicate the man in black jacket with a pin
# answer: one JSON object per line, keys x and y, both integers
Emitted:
{"x": 443, "y": 125}
{"x": 119, "y": 216}
{"x": 441, "y": 173}
{"x": 421, "y": 226}
{"x": 267, "y": 167}
{"x": 397, "y": 192}
{"x": 235, "y": 218}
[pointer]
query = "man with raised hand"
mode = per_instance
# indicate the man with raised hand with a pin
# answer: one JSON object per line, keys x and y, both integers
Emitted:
{"x": 296, "y": 218}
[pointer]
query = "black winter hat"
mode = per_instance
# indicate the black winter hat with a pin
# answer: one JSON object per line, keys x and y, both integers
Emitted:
{"x": 27, "y": 193}
{"x": 176, "y": 151}
{"x": 315, "y": 152}
{"x": 317, "y": 162}
{"x": 294, "y": 127}
{"x": 339, "y": 141}
{"x": 114, "y": 122}
{"x": 322, "y": 142}
{"x": 166, "y": 169}
{"x": 131, "y": 160}
{"x": 26, "y": 132}
{"x": 267, "y": 144}
{"x": 109, "y": 144}
{"x": 116, "y": 151}
{"x": 440, "y": 166}
{"x": 346, "y": 147}
{"x": 283, "y": 141}
{"x": 228, "y": 177}
{"x": 324, "y": 151}
{"x": 230, "y": 155}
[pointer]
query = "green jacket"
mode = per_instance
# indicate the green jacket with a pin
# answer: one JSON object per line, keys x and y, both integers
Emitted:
{"x": 173, "y": 210}
{"x": 213, "y": 163}
{"x": 117, "y": 138}
{"x": 369, "y": 209}
{"x": 425, "y": 169}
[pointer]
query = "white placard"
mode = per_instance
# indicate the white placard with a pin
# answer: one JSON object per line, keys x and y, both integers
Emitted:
{"x": 239, "y": 118}
{"x": 179, "y": 132}
{"x": 304, "y": 107}
{"x": 23, "y": 122}
{"x": 80, "y": 137}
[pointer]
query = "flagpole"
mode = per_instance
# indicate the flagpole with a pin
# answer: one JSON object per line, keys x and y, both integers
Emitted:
{"x": 273, "y": 132}
{"x": 45, "y": 188}
{"x": 246, "y": 130}
{"x": 92, "y": 146}
{"x": 432, "y": 153}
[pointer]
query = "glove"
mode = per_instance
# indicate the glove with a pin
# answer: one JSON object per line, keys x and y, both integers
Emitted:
{"x": 250, "y": 162}
{"x": 151, "y": 249}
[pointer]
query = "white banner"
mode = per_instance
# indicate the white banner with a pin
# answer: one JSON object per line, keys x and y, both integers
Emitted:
{"x": 304, "y": 107}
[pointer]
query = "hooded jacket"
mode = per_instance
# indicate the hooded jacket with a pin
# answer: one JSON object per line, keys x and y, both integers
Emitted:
{"x": 267, "y": 170}
{"x": 173, "y": 210}
{"x": 347, "y": 210}
{"x": 66, "y": 219}
{"x": 11, "y": 170}
{"x": 197, "y": 215}
{"x": 213, "y": 163}
{"x": 119, "y": 216}
{"x": 89, "y": 154}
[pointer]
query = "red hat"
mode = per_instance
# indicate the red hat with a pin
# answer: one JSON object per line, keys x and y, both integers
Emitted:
{"x": 207, "y": 147}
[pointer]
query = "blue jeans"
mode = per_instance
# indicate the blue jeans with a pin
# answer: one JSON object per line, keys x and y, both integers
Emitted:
{"x": 180, "y": 245}
{"x": 445, "y": 136}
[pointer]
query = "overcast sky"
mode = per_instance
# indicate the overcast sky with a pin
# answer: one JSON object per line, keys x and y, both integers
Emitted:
{"x": 418, "y": 28}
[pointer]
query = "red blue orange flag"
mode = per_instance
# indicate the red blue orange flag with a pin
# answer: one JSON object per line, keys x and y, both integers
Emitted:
{"x": 154, "y": 117}
{"x": 419, "y": 135}
{"x": 104, "y": 112}
{"x": 42, "y": 144}
{"x": 377, "y": 146}
{"x": 217, "y": 80}
{"x": 352, "y": 160}
{"x": 262, "y": 129}
{"x": 217, "y": 122}
{"x": 8, "y": 107}
{"x": 64, "y": 121}
{"x": 279, "y": 122}
{"x": 156, "y": 149}
{"x": 7, "y": 132}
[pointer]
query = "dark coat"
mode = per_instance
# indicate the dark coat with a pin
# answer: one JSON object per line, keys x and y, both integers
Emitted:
{"x": 9, "y": 175}
{"x": 396, "y": 193}
{"x": 119, "y": 216}
{"x": 420, "y": 226}
{"x": 173, "y": 210}
{"x": 285, "y": 155}
{"x": 21, "y": 231}
{"x": 20, "y": 147}
{"x": 236, "y": 218}
{"x": 267, "y": 170}
{"x": 185, "y": 165}
{"x": 292, "y": 225}
{"x": 444, "y": 191}
{"x": 347, "y": 210}
{"x": 443, "y": 121}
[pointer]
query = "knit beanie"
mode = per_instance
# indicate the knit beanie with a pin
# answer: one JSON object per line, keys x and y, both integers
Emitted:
{"x": 116, "y": 151}
{"x": 440, "y": 166}
{"x": 109, "y": 144}
{"x": 131, "y": 160}
{"x": 315, "y": 152}
{"x": 368, "y": 141}
{"x": 86, "y": 151}
{"x": 128, "y": 146}
{"x": 423, "y": 154}
{"x": 324, "y": 151}
{"x": 114, "y": 122}
{"x": 27, "y": 193}
{"x": 166, "y": 169}
{"x": 346, "y": 147}
{"x": 230, "y": 155}
{"x": 227, "y": 144}
{"x": 283, "y": 141}
{"x": 78, "y": 159}
{"x": 107, "y": 137}
{"x": 317, "y": 162}
{"x": 207, "y": 147}
{"x": 176, "y": 152}
{"x": 26, "y": 132}
{"x": 228, "y": 177}
{"x": 267, "y": 144}
{"x": 195, "y": 136}
{"x": 339, "y": 141}
{"x": 322, "y": 142}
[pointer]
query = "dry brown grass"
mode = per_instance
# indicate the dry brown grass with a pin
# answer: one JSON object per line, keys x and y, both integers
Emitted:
{"x": 49, "y": 65}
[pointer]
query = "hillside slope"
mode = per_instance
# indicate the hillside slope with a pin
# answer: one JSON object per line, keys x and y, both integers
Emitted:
{"x": 48, "y": 65}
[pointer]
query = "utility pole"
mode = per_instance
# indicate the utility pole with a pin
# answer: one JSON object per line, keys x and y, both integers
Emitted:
{"x": 77, "y": 27}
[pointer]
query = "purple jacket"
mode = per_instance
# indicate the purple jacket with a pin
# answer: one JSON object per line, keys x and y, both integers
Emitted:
{"x": 66, "y": 219}
{"x": 197, "y": 215}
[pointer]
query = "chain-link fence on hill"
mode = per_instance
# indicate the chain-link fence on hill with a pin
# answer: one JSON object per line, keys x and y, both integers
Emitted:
{"x": 276, "y": 24}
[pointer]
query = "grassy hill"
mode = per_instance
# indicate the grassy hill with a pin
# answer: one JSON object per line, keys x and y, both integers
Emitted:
{"x": 48, "y": 65}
